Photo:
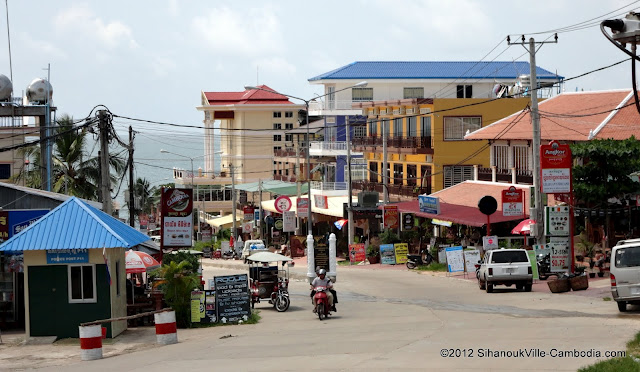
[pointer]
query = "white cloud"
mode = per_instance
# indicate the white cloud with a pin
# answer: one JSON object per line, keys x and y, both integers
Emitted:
{"x": 244, "y": 32}
{"x": 274, "y": 66}
{"x": 162, "y": 66}
{"x": 81, "y": 21}
{"x": 41, "y": 47}
{"x": 173, "y": 8}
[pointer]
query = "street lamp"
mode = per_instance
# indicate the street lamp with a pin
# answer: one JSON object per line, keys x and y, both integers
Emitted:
{"x": 361, "y": 84}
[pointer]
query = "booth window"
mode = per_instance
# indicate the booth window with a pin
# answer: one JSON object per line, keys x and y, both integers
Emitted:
{"x": 82, "y": 284}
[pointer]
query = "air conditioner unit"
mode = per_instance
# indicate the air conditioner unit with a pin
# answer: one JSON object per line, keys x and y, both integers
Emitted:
{"x": 425, "y": 110}
{"x": 368, "y": 199}
{"x": 383, "y": 111}
{"x": 409, "y": 111}
{"x": 396, "y": 112}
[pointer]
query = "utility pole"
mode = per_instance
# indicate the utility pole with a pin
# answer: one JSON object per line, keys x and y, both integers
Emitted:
{"x": 105, "y": 180}
{"x": 535, "y": 213}
{"x": 260, "y": 221}
{"x": 233, "y": 203}
{"x": 132, "y": 208}
{"x": 298, "y": 187}
{"x": 385, "y": 164}
{"x": 349, "y": 196}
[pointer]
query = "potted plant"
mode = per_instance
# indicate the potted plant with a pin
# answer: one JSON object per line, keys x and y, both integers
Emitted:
{"x": 373, "y": 253}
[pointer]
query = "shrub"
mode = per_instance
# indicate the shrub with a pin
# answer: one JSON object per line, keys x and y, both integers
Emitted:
{"x": 176, "y": 282}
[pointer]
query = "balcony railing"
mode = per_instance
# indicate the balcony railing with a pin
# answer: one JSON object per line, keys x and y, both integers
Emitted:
{"x": 415, "y": 144}
{"x": 290, "y": 152}
{"x": 332, "y": 105}
{"x": 523, "y": 176}
{"x": 328, "y": 186}
{"x": 399, "y": 190}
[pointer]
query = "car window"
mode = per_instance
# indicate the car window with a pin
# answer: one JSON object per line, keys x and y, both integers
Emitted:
{"x": 627, "y": 257}
{"x": 508, "y": 256}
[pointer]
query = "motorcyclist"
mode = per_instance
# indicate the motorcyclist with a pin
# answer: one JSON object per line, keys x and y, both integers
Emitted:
{"x": 322, "y": 281}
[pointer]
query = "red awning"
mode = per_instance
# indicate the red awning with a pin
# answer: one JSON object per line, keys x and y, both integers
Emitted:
{"x": 459, "y": 214}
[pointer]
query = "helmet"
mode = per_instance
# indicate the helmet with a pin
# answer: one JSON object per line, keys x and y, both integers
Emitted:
{"x": 322, "y": 272}
{"x": 318, "y": 268}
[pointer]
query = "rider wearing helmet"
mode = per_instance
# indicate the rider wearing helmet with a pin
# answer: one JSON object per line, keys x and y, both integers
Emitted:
{"x": 322, "y": 281}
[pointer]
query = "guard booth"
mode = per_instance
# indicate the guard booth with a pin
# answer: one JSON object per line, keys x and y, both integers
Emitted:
{"x": 74, "y": 269}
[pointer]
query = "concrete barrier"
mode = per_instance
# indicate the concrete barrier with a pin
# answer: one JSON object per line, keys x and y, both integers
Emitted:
{"x": 166, "y": 330}
{"x": 91, "y": 342}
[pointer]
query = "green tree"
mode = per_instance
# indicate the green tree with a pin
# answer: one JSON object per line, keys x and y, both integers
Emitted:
{"x": 145, "y": 194}
{"x": 605, "y": 170}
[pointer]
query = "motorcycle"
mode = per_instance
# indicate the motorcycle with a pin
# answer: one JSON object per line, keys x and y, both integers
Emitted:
{"x": 322, "y": 303}
{"x": 280, "y": 295}
{"x": 477, "y": 270}
{"x": 414, "y": 260}
{"x": 544, "y": 266}
{"x": 229, "y": 255}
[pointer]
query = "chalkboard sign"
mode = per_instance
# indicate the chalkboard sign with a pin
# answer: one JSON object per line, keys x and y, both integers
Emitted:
{"x": 232, "y": 298}
{"x": 321, "y": 254}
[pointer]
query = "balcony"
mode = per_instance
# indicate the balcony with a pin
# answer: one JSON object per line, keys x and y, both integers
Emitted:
{"x": 513, "y": 175}
{"x": 402, "y": 145}
{"x": 289, "y": 152}
{"x": 330, "y": 149}
{"x": 318, "y": 106}
{"x": 282, "y": 177}
{"x": 404, "y": 191}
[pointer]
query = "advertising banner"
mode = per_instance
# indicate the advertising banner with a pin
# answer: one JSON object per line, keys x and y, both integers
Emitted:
{"x": 402, "y": 250}
{"x": 209, "y": 306}
{"x": 557, "y": 221}
{"x": 534, "y": 264}
{"x": 512, "y": 202}
{"x": 248, "y": 212}
{"x": 471, "y": 258}
{"x": 356, "y": 252}
{"x": 289, "y": 221}
{"x": 232, "y": 298}
{"x": 455, "y": 259}
{"x": 429, "y": 204}
{"x": 560, "y": 256}
{"x": 197, "y": 306}
{"x": 391, "y": 218}
{"x": 321, "y": 201}
{"x": 555, "y": 168}
{"x": 177, "y": 221}
{"x": 408, "y": 221}
{"x": 177, "y": 231}
{"x": 387, "y": 254}
{"x": 144, "y": 221}
{"x": 302, "y": 207}
{"x": 20, "y": 220}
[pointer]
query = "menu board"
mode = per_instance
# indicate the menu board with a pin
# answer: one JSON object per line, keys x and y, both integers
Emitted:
{"x": 232, "y": 298}
{"x": 209, "y": 307}
{"x": 471, "y": 258}
{"x": 402, "y": 249}
{"x": 197, "y": 306}
{"x": 455, "y": 259}
{"x": 387, "y": 254}
{"x": 321, "y": 254}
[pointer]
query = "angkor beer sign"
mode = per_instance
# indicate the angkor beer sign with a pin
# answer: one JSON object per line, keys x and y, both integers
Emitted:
{"x": 177, "y": 221}
{"x": 512, "y": 202}
{"x": 555, "y": 164}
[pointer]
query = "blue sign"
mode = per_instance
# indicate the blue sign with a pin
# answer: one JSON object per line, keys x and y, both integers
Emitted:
{"x": 429, "y": 204}
{"x": 256, "y": 214}
{"x": 20, "y": 220}
{"x": 387, "y": 254}
{"x": 67, "y": 256}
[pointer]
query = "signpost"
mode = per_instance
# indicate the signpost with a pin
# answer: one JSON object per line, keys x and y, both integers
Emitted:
{"x": 512, "y": 202}
{"x": 232, "y": 298}
{"x": 282, "y": 203}
{"x": 177, "y": 221}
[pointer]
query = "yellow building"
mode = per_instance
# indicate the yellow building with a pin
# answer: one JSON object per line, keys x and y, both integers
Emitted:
{"x": 425, "y": 145}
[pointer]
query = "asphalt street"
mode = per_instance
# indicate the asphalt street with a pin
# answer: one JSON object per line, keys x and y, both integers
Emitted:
{"x": 390, "y": 320}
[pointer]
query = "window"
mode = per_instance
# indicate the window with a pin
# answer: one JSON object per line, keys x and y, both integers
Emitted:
{"x": 82, "y": 283}
{"x": 413, "y": 93}
{"x": 412, "y": 173}
{"x": 521, "y": 157}
{"x": 373, "y": 128}
{"x": 397, "y": 174}
{"x": 277, "y": 137}
{"x": 288, "y": 126}
{"x": 464, "y": 91}
{"x": 332, "y": 133}
{"x": 5, "y": 171}
{"x": 277, "y": 126}
{"x": 454, "y": 175}
{"x": 288, "y": 114}
{"x": 360, "y": 131}
{"x": 331, "y": 97}
{"x": 362, "y": 94}
{"x": 288, "y": 137}
{"x": 456, "y": 127}
{"x": 397, "y": 127}
{"x": 276, "y": 149}
{"x": 509, "y": 256}
{"x": 500, "y": 157}
{"x": 286, "y": 172}
{"x": 627, "y": 257}
{"x": 277, "y": 114}
{"x": 425, "y": 126}
{"x": 373, "y": 172}
{"x": 412, "y": 131}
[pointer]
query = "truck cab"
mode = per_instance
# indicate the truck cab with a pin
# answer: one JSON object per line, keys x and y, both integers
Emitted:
{"x": 251, "y": 247}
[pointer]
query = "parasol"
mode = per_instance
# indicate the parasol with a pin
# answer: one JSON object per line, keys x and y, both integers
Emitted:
{"x": 524, "y": 227}
{"x": 139, "y": 262}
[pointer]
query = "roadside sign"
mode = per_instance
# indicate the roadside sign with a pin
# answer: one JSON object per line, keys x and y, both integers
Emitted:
{"x": 282, "y": 203}
{"x": 232, "y": 298}
{"x": 512, "y": 202}
{"x": 302, "y": 206}
{"x": 429, "y": 204}
{"x": 557, "y": 221}
{"x": 555, "y": 168}
{"x": 401, "y": 249}
{"x": 289, "y": 221}
{"x": 490, "y": 242}
{"x": 560, "y": 256}
{"x": 356, "y": 252}
{"x": 455, "y": 259}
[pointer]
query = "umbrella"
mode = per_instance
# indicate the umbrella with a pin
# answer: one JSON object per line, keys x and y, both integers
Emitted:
{"x": 524, "y": 227}
{"x": 139, "y": 262}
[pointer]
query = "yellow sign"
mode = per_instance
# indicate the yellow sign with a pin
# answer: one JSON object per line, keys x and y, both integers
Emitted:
{"x": 402, "y": 249}
{"x": 197, "y": 306}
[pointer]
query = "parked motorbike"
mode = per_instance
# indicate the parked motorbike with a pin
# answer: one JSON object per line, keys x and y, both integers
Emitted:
{"x": 322, "y": 303}
{"x": 230, "y": 255}
{"x": 477, "y": 265}
{"x": 414, "y": 260}
{"x": 544, "y": 266}
{"x": 603, "y": 263}
{"x": 280, "y": 295}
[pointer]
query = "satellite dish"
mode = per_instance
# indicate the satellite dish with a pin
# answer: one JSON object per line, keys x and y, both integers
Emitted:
{"x": 6, "y": 88}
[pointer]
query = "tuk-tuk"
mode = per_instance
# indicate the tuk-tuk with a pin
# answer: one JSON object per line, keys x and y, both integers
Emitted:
{"x": 268, "y": 281}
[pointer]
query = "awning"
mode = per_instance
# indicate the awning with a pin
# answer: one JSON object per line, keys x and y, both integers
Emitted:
{"x": 222, "y": 222}
{"x": 335, "y": 205}
{"x": 459, "y": 214}
{"x": 273, "y": 186}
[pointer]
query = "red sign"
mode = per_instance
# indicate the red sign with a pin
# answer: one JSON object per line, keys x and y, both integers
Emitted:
{"x": 144, "y": 221}
{"x": 512, "y": 202}
{"x": 302, "y": 206}
{"x": 282, "y": 203}
{"x": 248, "y": 212}
{"x": 555, "y": 155}
{"x": 391, "y": 217}
{"x": 177, "y": 202}
{"x": 321, "y": 201}
{"x": 555, "y": 168}
{"x": 356, "y": 252}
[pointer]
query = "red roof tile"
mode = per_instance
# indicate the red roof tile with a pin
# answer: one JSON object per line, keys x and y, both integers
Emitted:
{"x": 248, "y": 97}
{"x": 571, "y": 117}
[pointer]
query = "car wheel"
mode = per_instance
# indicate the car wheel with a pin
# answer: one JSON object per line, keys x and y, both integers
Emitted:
{"x": 488, "y": 286}
{"x": 622, "y": 306}
{"x": 519, "y": 287}
{"x": 480, "y": 284}
{"x": 527, "y": 287}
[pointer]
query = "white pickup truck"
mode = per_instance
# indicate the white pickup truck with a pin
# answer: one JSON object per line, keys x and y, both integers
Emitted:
{"x": 251, "y": 247}
{"x": 506, "y": 267}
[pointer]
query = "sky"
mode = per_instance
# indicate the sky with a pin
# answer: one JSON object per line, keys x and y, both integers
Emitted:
{"x": 151, "y": 59}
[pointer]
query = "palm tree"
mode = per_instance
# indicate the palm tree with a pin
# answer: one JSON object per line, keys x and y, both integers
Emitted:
{"x": 145, "y": 194}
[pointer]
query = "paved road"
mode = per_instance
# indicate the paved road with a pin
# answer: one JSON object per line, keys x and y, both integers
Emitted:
{"x": 392, "y": 320}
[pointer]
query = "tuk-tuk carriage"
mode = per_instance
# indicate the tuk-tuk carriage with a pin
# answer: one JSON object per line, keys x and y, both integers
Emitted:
{"x": 268, "y": 281}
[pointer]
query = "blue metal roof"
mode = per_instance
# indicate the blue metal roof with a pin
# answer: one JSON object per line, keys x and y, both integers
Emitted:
{"x": 434, "y": 70}
{"x": 75, "y": 224}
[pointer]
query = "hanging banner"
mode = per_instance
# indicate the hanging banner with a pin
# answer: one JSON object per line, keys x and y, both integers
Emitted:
{"x": 555, "y": 168}
{"x": 321, "y": 201}
{"x": 356, "y": 252}
{"x": 402, "y": 250}
{"x": 512, "y": 202}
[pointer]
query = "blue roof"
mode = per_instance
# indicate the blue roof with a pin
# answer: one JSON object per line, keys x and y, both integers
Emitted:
{"x": 434, "y": 70}
{"x": 75, "y": 224}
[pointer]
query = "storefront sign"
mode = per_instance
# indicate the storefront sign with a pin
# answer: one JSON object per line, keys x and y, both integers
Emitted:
{"x": 232, "y": 298}
{"x": 455, "y": 259}
{"x": 177, "y": 221}
{"x": 512, "y": 202}
{"x": 248, "y": 212}
{"x": 356, "y": 252}
{"x": 390, "y": 217}
{"x": 387, "y": 254}
{"x": 401, "y": 249}
{"x": 209, "y": 306}
{"x": 67, "y": 256}
{"x": 177, "y": 231}
{"x": 408, "y": 221}
{"x": 321, "y": 201}
{"x": 289, "y": 221}
{"x": 197, "y": 306}
{"x": 302, "y": 207}
{"x": 555, "y": 168}
{"x": 557, "y": 221}
{"x": 560, "y": 256}
{"x": 429, "y": 204}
